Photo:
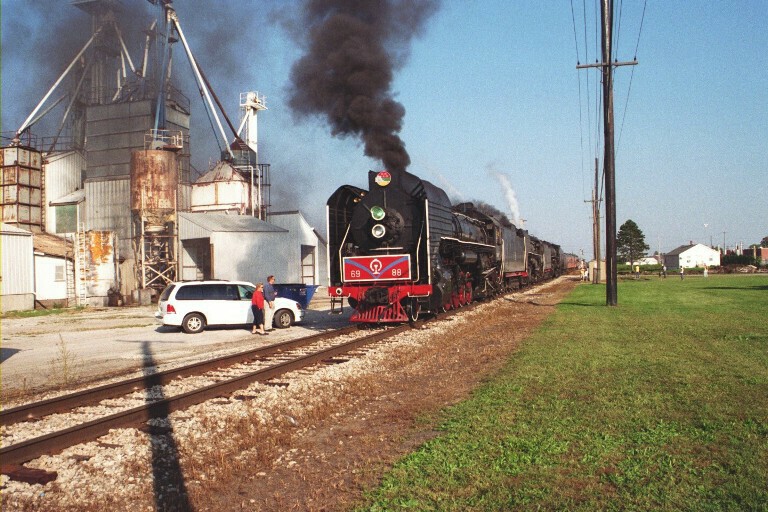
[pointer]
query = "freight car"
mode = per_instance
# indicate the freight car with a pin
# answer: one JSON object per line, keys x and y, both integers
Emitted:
{"x": 400, "y": 249}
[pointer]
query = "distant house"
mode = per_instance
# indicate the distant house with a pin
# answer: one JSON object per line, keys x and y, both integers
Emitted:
{"x": 645, "y": 260}
{"x": 693, "y": 255}
{"x": 759, "y": 253}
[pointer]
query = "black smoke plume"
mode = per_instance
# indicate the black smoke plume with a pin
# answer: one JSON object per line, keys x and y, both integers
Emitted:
{"x": 352, "y": 50}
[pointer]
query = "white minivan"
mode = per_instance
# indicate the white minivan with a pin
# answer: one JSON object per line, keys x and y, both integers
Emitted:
{"x": 192, "y": 305}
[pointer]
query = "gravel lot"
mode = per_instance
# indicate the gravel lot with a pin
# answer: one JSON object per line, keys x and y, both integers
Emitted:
{"x": 47, "y": 353}
{"x": 314, "y": 443}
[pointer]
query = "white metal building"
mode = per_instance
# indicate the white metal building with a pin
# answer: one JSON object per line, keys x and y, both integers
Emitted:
{"x": 241, "y": 247}
{"x": 310, "y": 262}
{"x": 17, "y": 281}
{"x": 692, "y": 255}
{"x": 647, "y": 260}
{"x": 64, "y": 195}
{"x": 54, "y": 269}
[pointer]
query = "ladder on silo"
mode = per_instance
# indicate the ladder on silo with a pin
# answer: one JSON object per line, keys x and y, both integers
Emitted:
{"x": 69, "y": 272}
{"x": 81, "y": 266}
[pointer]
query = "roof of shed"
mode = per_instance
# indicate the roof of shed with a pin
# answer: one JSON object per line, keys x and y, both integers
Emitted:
{"x": 78, "y": 196}
{"x": 52, "y": 245}
{"x": 13, "y": 230}
{"x": 679, "y": 250}
{"x": 684, "y": 248}
{"x": 301, "y": 215}
{"x": 219, "y": 222}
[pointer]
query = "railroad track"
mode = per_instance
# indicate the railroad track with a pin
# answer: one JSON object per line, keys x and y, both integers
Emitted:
{"x": 36, "y": 410}
{"x": 282, "y": 362}
{"x": 272, "y": 361}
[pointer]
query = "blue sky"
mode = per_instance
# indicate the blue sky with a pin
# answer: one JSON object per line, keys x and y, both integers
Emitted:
{"x": 491, "y": 88}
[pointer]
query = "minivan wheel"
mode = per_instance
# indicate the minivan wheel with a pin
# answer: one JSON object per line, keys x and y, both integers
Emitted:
{"x": 193, "y": 323}
{"x": 283, "y": 318}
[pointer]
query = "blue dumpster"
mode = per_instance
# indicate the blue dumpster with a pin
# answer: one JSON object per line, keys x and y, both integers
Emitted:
{"x": 301, "y": 293}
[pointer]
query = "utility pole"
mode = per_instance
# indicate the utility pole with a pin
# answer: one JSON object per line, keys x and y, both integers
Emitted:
{"x": 596, "y": 226}
{"x": 596, "y": 205}
{"x": 606, "y": 11}
{"x": 611, "y": 295}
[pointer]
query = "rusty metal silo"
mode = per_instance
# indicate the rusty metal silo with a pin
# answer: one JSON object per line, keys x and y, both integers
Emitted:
{"x": 154, "y": 180}
{"x": 154, "y": 189}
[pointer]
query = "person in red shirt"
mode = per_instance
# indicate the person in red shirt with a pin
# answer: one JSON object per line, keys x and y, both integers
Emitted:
{"x": 257, "y": 306}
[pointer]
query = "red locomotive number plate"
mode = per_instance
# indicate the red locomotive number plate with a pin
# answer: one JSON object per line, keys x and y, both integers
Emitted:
{"x": 377, "y": 268}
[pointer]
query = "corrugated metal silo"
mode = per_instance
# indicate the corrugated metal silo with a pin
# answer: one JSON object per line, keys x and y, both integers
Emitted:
{"x": 154, "y": 188}
{"x": 154, "y": 180}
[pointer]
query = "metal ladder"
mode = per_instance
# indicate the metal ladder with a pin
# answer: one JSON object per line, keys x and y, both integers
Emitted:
{"x": 81, "y": 266}
{"x": 69, "y": 271}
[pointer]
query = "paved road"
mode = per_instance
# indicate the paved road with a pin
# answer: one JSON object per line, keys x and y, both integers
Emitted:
{"x": 42, "y": 352}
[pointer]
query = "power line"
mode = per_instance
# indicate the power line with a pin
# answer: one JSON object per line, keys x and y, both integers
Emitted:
{"x": 640, "y": 31}
{"x": 578, "y": 79}
{"x": 631, "y": 78}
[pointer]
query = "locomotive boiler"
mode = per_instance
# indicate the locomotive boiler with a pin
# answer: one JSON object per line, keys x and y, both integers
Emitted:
{"x": 400, "y": 249}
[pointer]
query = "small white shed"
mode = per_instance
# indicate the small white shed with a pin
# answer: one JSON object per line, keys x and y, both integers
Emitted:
{"x": 241, "y": 247}
{"x": 54, "y": 269}
{"x": 17, "y": 281}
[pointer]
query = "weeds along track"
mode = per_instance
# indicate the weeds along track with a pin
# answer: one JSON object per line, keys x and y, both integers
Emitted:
{"x": 50, "y": 426}
{"x": 34, "y": 411}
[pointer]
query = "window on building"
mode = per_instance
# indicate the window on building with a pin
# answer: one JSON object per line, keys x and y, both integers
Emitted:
{"x": 59, "y": 273}
{"x": 66, "y": 218}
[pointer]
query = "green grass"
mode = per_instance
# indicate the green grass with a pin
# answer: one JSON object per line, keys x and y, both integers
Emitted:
{"x": 658, "y": 404}
{"x": 30, "y": 313}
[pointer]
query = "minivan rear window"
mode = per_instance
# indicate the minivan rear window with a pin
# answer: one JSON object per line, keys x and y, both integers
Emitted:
{"x": 167, "y": 292}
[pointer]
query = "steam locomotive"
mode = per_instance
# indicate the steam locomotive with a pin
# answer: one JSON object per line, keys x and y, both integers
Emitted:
{"x": 400, "y": 249}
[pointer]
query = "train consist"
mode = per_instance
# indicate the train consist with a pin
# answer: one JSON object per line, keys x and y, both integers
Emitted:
{"x": 400, "y": 249}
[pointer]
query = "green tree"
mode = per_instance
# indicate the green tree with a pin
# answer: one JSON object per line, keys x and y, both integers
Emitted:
{"x": 764, "y": 242}
{"x": 630, "y": 242}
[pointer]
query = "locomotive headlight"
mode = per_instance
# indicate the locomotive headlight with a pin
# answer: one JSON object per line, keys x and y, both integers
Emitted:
{"x": 378, "y": 231}
{"x": 377, "y": 212}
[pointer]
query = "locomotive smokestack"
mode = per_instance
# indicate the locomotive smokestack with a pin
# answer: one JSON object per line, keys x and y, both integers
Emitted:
{"x": 352, "y": 49}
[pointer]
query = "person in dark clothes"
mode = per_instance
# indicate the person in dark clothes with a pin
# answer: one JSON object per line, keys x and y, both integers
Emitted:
{"x": 269, "y": 297}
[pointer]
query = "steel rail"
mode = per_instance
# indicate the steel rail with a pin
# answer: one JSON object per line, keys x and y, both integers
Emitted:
{"x": 55, "y": 442}
{"x": 92, "y": 396}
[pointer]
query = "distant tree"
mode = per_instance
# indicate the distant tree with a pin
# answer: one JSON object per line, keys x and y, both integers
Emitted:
{"x": 764, "y": 242}
{"x": 630, "y": 242}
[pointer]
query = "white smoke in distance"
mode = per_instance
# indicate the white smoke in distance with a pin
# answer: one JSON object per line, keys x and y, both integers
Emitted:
{"x": 510, "y": 196}
{"x": 453, "y": 193}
